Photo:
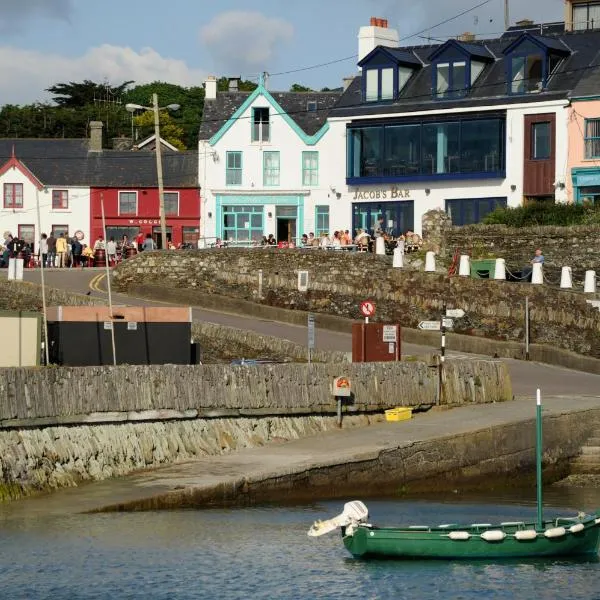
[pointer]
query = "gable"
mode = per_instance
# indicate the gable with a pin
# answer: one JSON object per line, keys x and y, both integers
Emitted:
{"x": 14, "y": 163}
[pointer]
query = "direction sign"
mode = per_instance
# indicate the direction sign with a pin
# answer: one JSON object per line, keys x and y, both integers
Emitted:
{"x": 448, "y": 323}
{"x": 430, "y": 325}
{"x": 457, "y": 313}
{"x": 367, "y": 308}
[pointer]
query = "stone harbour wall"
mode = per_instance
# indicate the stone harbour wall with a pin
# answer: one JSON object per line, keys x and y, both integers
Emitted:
{"x": 338, "y": 281}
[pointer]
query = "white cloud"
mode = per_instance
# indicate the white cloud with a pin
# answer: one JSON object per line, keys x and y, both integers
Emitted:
{"x": 14, "y": 13}
{"x": 244, "y": 41}
{"x": 26, "y": 74}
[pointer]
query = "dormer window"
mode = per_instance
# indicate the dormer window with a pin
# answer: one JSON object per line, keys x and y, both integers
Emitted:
{"x": 386, "y": 72}
{"x": 456, "y": 67}
{"x": 531, "y": 61}
{"x": 311, "y": 106}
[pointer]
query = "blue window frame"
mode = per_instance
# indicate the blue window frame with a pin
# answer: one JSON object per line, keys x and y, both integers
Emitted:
{"x": 450, "y": 79}
{"x": 592, "y": 138}
{"x": 414, "y": 150}
{"x": 466, "y": 211}
{"x": 398, "y": 217}
{"x": 233, "y": 168}
{"x": 321, "y": 220}
{"x": 270, "y": 169}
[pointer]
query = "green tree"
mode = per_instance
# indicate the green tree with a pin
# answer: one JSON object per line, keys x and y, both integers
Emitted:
{"x": 77, "y": 95}
{"x": 169, "y": 131}
{"x": 296, "y": 87}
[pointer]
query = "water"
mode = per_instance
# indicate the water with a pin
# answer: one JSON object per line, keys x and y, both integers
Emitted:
{"x": 265, "y": 553}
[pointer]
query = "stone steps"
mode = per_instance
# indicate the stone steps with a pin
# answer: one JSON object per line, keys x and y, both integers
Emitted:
{"x": 594, "y": 441}
{"x": 591, "y": 451}
{"x": 588, "y": 462}
{"x": 585, "y": 468}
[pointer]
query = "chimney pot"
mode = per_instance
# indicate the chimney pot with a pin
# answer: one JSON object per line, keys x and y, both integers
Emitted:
{"x": 467, "y": 36}
{"x": 373, "y": 22}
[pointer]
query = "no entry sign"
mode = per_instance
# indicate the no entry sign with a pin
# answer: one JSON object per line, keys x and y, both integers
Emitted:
{"x": 367, "y": 308}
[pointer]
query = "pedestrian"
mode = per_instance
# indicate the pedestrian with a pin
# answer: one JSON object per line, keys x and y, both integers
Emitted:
{"x": 51, "y": 251}
{"x": 111, "y": 252}
{"x": 139, "y": 240}
{"x": 538, "y": 258}
{"x": 61, "y": 250}
{"x": 43, "y": 254}
{"x": 148, "y": 243}
{"x": 76, "y": 251}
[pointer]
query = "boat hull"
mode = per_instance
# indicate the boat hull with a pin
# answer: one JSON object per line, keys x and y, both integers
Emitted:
{"x": 368, "y": 542}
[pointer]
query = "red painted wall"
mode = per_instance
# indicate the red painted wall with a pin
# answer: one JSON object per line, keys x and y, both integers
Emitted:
{"x": 148, "y": 214}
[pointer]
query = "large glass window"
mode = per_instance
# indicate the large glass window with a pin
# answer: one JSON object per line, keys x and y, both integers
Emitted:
{"x": 171, "y": 203}
{"x": 271, "y": 168}
{"x": 420, "y": 149}
{"x": 243, "y": 223}
{"x": 381, "y": 83}
{"x": 398, "y": 217}
{"x": 387, "y": 84}
{"x": 60, "y": 199}
{"x": 190, "y": 235}
{"x": 127, "y": 203}
{"x": 13, "y": 195}
{"x": 58, "y": 230}
{"x": 540, "y": 141}
{"x": 592, "y": 138}
{"x": 465, "y": 211}
{"x": 527, "y": 74}
{"x": 310, "y": 168}
{"x": 372, "y": 85}
{"x": 451, "y": 79}
{"x": 233, "y": 169}
{"x": 586, "y": 16}
{"x": 260, "y": 125}
{"x": 321, "y": 220}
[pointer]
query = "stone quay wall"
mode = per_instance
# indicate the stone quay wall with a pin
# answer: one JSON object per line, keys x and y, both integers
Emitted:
{"x": 63, "y": 425}
{"x": 338, "y": 281}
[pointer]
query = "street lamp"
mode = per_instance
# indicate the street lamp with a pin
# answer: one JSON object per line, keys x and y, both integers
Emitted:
{"x": 161, "y": 194}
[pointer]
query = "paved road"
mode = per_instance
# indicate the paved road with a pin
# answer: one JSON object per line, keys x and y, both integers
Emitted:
{"x": 526, "y": 376}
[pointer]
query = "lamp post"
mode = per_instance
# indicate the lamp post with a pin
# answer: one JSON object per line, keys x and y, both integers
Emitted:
{"x": 159, "y": 172}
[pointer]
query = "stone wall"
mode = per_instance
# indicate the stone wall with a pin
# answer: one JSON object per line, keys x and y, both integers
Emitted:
{"x": 60, "y": 395}
{"x": 576, "y": 246}
{"x": 339, "y": 281}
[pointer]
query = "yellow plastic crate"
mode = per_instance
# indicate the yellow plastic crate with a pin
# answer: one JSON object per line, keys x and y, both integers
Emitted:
{"x": 400, "y": 413}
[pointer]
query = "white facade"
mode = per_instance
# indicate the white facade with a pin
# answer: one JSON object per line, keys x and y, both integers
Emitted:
{"x": 254, "y": 198}
{"x": 23, "y": 221}
{"x": 431, "y": 194}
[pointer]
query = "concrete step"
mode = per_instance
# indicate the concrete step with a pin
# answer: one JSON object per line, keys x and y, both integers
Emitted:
{"x": 593, "y": 450}
{"x": 594, "y": 441}
{"x": 587, "y": 458}
{"x": 582, "y": 468}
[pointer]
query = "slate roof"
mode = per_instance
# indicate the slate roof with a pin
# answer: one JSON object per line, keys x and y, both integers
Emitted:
{"x": 218, "y": 111}
{"x": 573, "y": 77}
{"x": 67, "y": 162}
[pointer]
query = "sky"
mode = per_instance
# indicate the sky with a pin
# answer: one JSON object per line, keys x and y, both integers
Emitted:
{"x": 43, "y": 42}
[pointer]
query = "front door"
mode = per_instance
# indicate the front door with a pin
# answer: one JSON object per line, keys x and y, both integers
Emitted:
{"x": 286, "y": 230}
{"x": 157, "y": 236}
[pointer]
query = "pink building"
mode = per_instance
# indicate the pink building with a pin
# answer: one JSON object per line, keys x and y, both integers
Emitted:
{"x": 583, "y": 168}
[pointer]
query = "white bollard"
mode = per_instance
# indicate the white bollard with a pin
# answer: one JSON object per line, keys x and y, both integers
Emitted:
{"x": 430, "y": 262}
{"x": 500, "y": 269}
{"x": 537, "y": 274}
{"x": 379, "y": 245}
{"x": 464, "y": 267}
{"x": 398, "y": 260}
{"x": 566, "y": 280}
{"x": 589, "y": 287}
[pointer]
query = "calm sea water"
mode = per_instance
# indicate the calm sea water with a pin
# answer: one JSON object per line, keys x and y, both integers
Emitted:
{"x": 265, "y": 553}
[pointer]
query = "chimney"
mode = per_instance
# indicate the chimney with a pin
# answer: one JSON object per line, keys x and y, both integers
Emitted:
{"x": 376, "y": 34}
{"x": 467, "y": 36}
{"x": 347, "y": 81}
{"x": 210, "y": 88}
{"x": 96, "y": 136}
{"x": 234, "y": 84}
{"x": 122, "y": 143}
{"x": 524, "y": 23}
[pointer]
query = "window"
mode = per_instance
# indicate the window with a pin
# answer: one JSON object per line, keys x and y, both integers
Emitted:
{"x": 387, "y": 84}
{"x": 58, "y": 230}
{"x": 260, "y": 125}
{"x": 171, "y": 203}
{"x": 426, "y": 150}
{"x": 13, "y": 195}
{"x": 310, "y": 168}
{"x": 398, "y": 217}
{"x": 451, "y": 79}
{"x": 233, "y": 171}
{"x": 243, "y": 223}
{"x": 190, "y": 235}
{"x": 271, "y": 168}
{"x": 372, "y": 89}
{"x": 311, "y": 106}
{"x": 472, "y": 210}
{"x": 383, "y": 83}
{"x": 27, "y": 234}
{"x": 127, "y": 203}
{"x": 60, "y": 199}
{"x": 404, "y": 74}
{"x": 118, "y": 232}
{"x": 527, "y": 74}
{"x": 540, "y": 141}
{"x": 586, "y": 16}
{"x": 321, "y": 220}
{"x": 592, "y": 138}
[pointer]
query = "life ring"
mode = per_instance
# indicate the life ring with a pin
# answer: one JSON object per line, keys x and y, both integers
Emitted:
{"x": 79, "y": 234}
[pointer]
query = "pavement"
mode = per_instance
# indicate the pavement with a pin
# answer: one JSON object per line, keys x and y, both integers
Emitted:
{"x": 200, "y": 477}
{"x": 526, "y": 376}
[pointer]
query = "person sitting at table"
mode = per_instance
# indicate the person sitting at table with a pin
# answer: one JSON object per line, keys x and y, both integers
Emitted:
{"x": 312, "y": 240}
{"x": 362, "y": 240}
{"x": 336, "y": 241}
{"x": 304, "y": 240}
{"x": 271, "y": 241}
{"x": 324, "y": 242}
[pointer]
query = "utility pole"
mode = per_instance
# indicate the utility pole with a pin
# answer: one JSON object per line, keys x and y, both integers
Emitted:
{"x": 506, "y": 16}
{"x": 159, "y": 173}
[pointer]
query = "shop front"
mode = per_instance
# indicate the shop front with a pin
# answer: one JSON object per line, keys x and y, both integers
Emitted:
{"x": 245, "y": 219}
{"x": 586, "y": 185}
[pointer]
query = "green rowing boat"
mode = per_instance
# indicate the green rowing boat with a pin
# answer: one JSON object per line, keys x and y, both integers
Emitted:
{"x": 561, "y": 537}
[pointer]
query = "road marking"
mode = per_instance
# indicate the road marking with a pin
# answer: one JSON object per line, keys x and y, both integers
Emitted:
{"x": 94, "y": 284}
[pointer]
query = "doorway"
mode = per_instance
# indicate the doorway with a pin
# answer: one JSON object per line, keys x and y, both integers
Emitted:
{"x": 157, "y": 237}
{"x": 286, "y": 229}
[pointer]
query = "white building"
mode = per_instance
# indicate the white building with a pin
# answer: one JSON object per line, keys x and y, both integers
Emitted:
{"x": 263, "y": 164}
{"x": 42, "y": 172}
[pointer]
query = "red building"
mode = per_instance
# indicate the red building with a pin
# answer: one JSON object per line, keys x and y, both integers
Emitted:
{"x": 126, "y": 183}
